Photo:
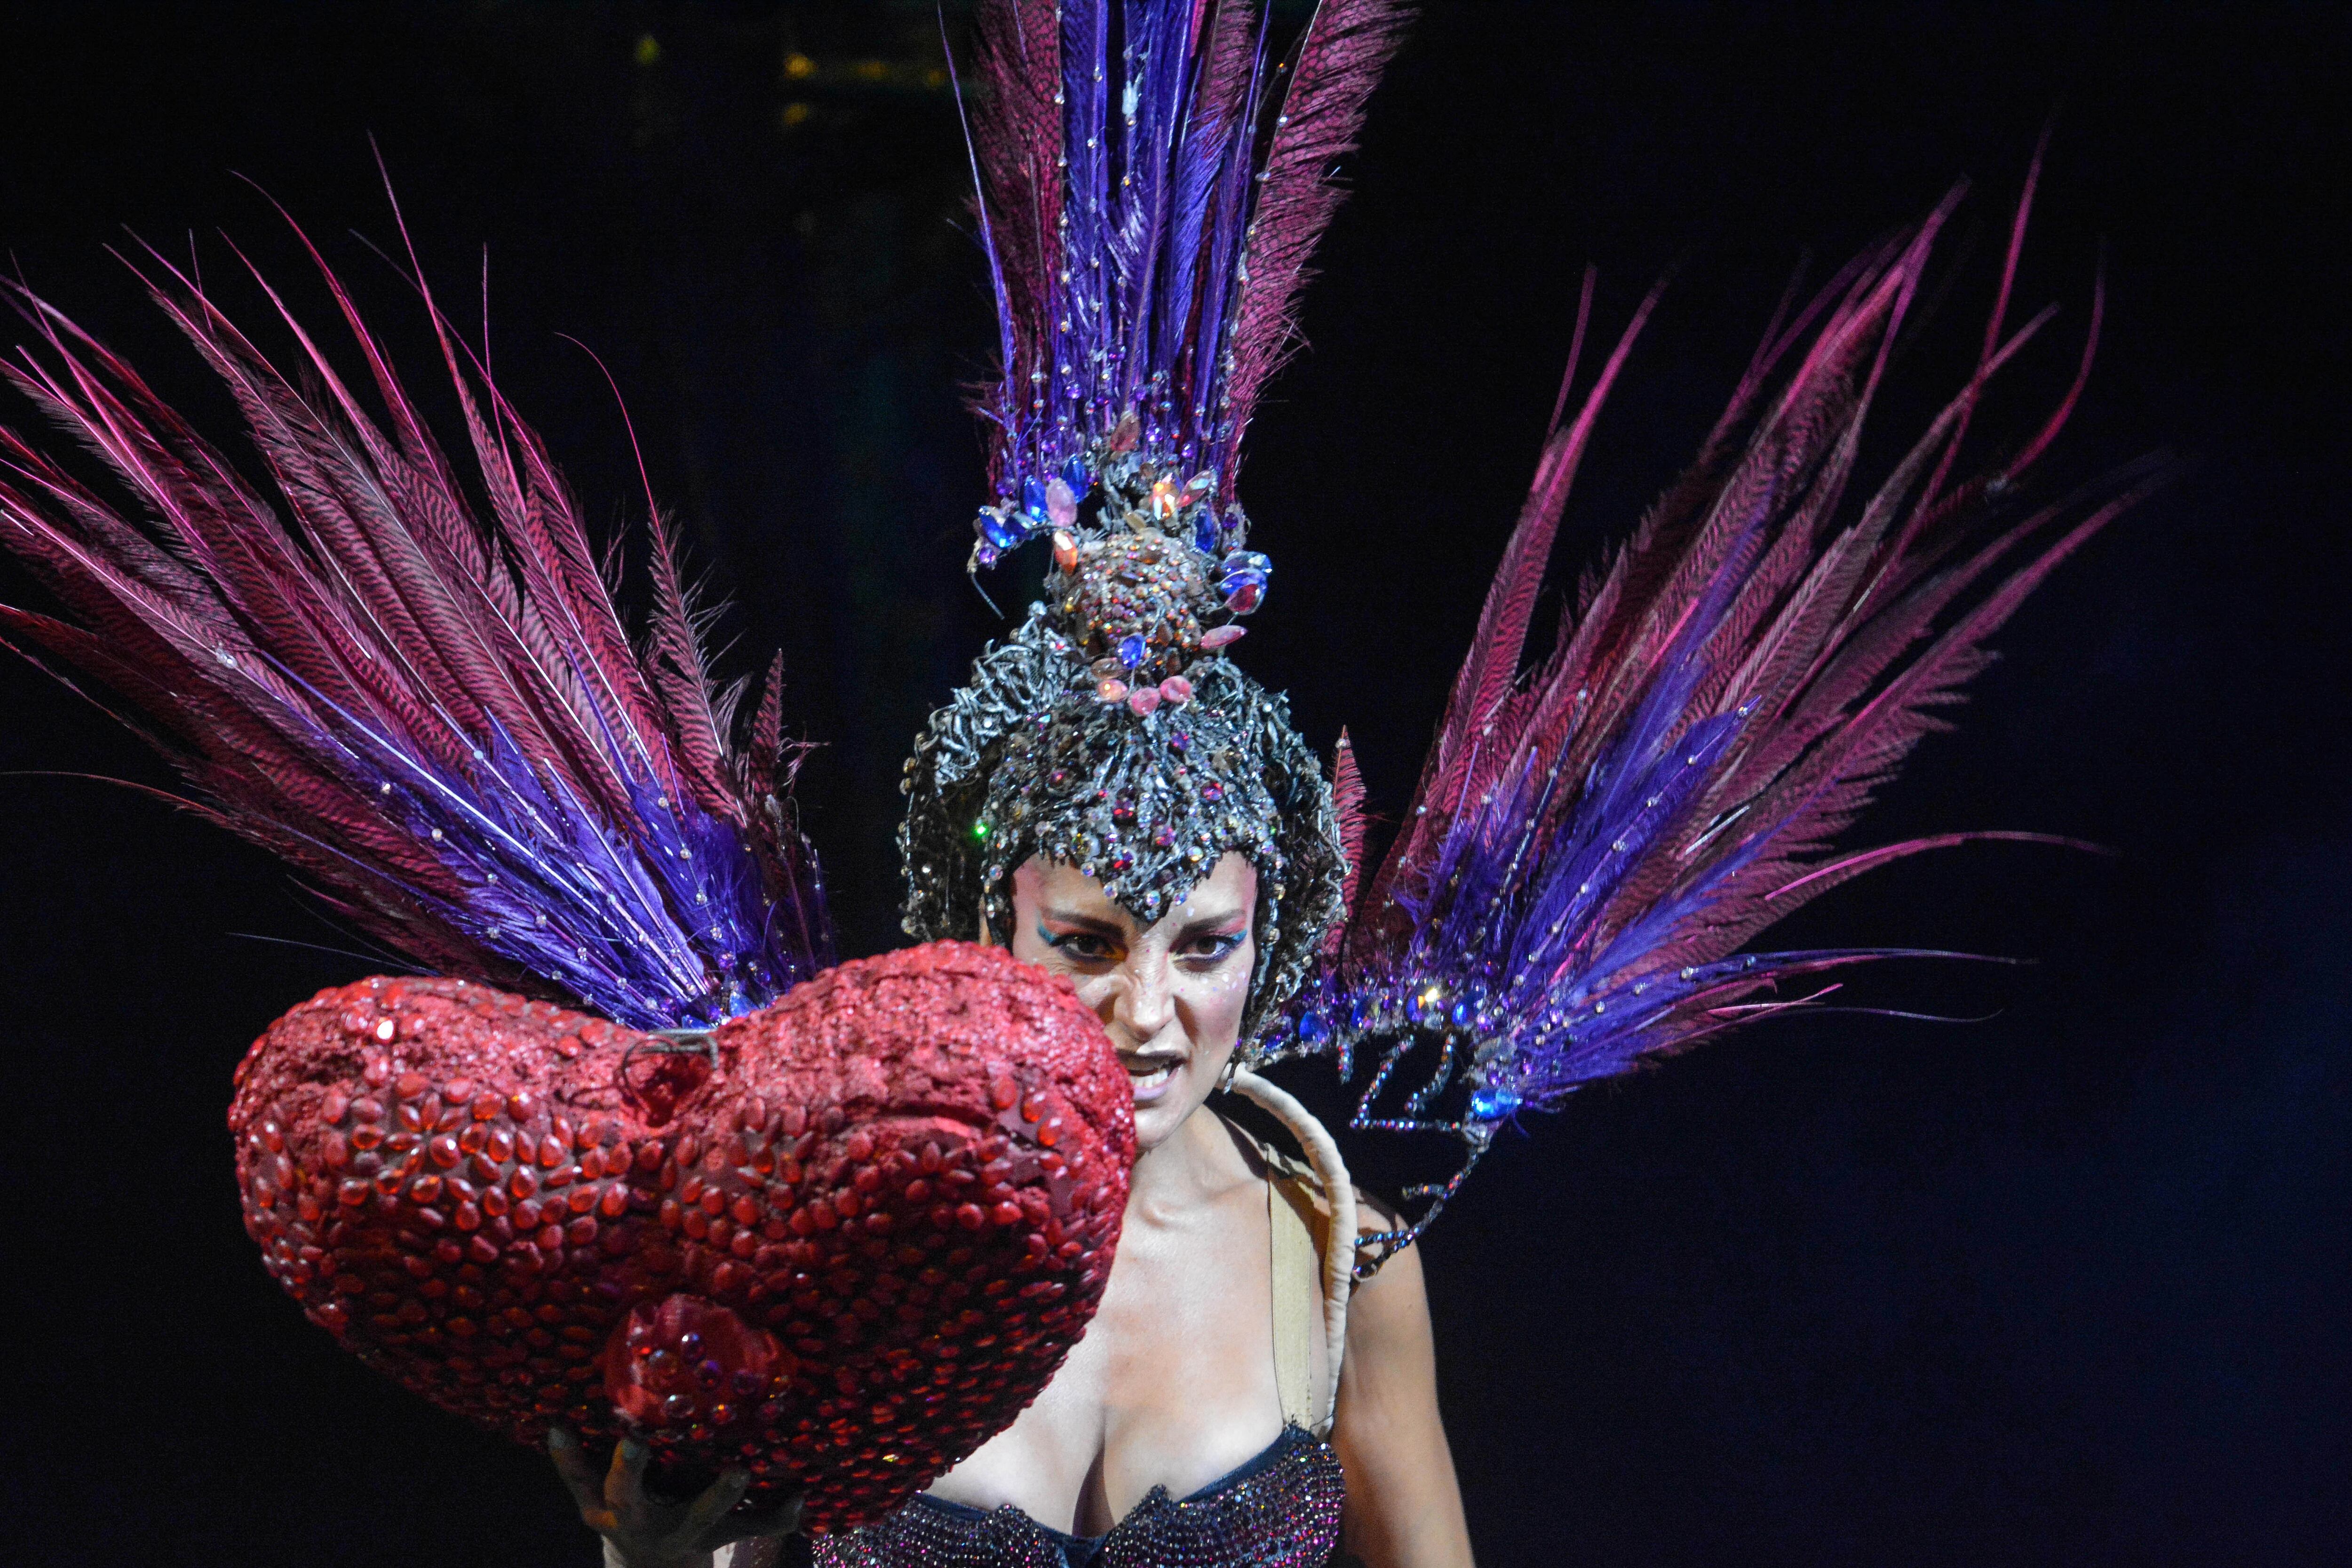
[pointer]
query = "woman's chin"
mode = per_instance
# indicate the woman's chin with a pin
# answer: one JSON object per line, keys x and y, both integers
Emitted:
{"x": 1161, "y": 1101}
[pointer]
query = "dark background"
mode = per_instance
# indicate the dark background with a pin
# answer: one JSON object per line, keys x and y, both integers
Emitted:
{"x": 2066, "y": 1286}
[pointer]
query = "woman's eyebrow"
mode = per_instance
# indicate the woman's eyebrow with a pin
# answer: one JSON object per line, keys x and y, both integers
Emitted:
{"x": 1094, "y": 923}
{"x": 1202, "y": 925}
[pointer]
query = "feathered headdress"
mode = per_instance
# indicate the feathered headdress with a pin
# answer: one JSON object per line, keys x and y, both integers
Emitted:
{"x": 1151, "y": 185}
{"x": 436, "y": 714}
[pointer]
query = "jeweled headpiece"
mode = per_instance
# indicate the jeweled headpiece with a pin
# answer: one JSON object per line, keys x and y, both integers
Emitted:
{"x": 1151, "y": 187}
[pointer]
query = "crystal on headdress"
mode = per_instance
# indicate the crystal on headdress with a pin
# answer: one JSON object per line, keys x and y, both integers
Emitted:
{"x": 1240, "y": 578}
{"x": 1001, "y": 529}
{"x": 1061, "y": 503}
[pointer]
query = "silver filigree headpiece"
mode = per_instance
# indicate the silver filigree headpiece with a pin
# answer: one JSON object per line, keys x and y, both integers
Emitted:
{"x": 1111, "y": 733}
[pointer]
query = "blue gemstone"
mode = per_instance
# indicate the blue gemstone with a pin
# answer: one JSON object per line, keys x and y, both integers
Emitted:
{"x": 1361, "y": 1013}
{"x": 1206, "y": 532}
{"x": 1074, "y": 475}
{"x": 1465, "y": 1009}
{"x": 1033, "y": 498}
{"x": 1131, "y": 650}
{"x": 1312, "y": 1028}
{"x": 1493, "y": 1104}
{"x": 1240, "y": 578}
{"x": 1005, "y": 531}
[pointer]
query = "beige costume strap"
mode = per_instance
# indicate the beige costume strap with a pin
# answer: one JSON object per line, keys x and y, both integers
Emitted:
{"x": 1293, "y": 1220}
{"x": 1336, "y": 1244}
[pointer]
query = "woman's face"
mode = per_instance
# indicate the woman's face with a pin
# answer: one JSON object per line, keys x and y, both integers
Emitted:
{"x": 1171, "y": 995}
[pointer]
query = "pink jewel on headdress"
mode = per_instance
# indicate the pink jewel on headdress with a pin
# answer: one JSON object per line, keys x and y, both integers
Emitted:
{"x": 1061, "y": 509}
{"x": 1143, "y": 700}
{"x": 1110, "y": 688}
{"x": 1217, "y": 638}
{"x": 1176, "y": 688}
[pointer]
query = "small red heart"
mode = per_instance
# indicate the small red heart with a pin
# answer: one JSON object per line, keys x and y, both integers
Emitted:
{"x": 840, "y": 1247}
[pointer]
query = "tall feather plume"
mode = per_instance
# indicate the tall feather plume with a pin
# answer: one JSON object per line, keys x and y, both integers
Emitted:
{"x": 1340, "y": 60}
{"x": 1597, "y": 839}
{"x": 436, "y": 714}
{"x": 1150, "y": 186}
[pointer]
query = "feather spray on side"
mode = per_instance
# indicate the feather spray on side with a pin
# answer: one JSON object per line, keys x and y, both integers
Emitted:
{"x": 1595, "y": 840}
{"x": 441, "y": 721}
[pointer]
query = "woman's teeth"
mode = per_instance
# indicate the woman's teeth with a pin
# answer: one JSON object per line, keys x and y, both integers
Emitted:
{"x": 1151, "y": 1075}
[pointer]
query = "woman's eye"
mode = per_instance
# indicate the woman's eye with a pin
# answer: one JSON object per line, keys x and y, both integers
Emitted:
{"x": 1082, "y": 946}
{"x": 1213, "y": 948}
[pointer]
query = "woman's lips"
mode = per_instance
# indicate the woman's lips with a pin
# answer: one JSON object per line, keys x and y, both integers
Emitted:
{"x": 1151, "y": 1077}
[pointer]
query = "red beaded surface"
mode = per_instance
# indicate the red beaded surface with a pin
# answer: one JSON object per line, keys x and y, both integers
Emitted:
{"x": 842, "y": 1254}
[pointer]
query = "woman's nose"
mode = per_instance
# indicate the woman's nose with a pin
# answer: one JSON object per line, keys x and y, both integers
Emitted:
{"x": 1146, "y": 1003}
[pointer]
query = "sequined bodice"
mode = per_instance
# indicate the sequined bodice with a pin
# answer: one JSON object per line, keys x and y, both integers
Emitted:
{"x": 1281, "y": 1510}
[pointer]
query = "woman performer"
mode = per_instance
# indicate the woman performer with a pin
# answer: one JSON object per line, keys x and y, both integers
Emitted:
{"x": 1202, "y": 1420}
{"x": 1114, "y": 797}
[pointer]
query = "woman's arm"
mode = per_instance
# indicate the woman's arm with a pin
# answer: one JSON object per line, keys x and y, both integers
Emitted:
{"x": 1404, "y": 1506}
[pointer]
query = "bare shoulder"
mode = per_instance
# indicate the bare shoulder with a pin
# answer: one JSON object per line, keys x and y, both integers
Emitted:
{"x": 1392, "y": 1306}
{"x": 1375, "y": 1214}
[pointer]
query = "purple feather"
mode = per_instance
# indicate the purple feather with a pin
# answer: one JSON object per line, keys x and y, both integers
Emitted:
{"x": 1596, "y": 838}
{"x": 441, "y": 721}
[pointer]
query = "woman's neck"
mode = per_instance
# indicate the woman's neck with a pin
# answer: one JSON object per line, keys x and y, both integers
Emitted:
{"x": 1193, "y": 1164}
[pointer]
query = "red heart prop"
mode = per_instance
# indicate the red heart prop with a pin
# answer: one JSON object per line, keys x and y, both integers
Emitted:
{"x": 841, "y": 1247}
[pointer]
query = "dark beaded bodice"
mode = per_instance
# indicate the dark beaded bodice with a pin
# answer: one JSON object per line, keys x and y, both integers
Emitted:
{"x": 1279, "y": 1511}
